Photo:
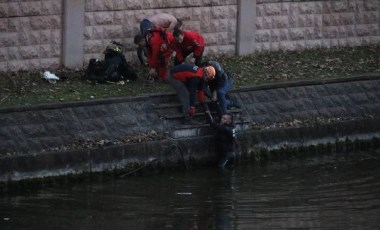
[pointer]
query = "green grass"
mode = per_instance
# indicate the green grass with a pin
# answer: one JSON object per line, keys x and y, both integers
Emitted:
{"x": 27, "y": 88}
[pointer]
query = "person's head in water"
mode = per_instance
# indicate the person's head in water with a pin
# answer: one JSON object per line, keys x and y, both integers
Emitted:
{"x": 226, "y": 119}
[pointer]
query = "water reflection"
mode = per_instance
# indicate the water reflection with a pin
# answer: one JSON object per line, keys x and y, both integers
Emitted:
{"x": 331, "y": 192}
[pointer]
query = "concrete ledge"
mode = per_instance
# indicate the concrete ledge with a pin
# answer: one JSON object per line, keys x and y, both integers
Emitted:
{"x": 123, "y": 157}
{"x": 363, "y": 77}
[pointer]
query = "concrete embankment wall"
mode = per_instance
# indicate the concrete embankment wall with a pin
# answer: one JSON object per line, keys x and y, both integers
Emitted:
{"x": 43, "y": 34}
{"x": 72, "y": 138}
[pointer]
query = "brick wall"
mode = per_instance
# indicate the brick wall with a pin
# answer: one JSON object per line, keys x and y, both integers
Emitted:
{"x": 296, "y": 25}
{"x": 31, "y": 31}
{"x": 30, "y": 34}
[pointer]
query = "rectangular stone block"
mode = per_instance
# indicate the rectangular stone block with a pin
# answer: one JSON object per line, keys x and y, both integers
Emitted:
{"x": 151, "y": 4}
{"x": 307, "y": 7}
{"x": 45, "y": 51}
{"x": 309, "y": 33}
{"x": 14, "y": 25}
{"x": 263, "y": 35}
{"x": 313, "y": 44}
{"x": 51, "y": 7}
{"x": 223, "y": 25}
{"x": 103, "y": 5}
{"x": 370, "y": 17}
{"x": 184, "y": 14}
{"x": 29, "y": 52}
{"x": 285, "y": 8}
{"x": 34, "y": 64}
{"x": 318, "y": 33}
{"x": 14, "y": 66}
{"x": 31, "y": 8}
{"x": 210, "y": 39}
{"x": 330, "y": 32}
{"x": 339, "y": 6}
{"x": 4, "y": 10}
{"x": 330, "y": 20}
{"x": 40, "y": 23}
{"x": 112, "y": 32}
{"x": 232, "y": 11}
{"x": 3, "y": 54}
{"x": 118, "y": 4}
{"x": 371, "y": 5}
{"x": 13, "y": 53}
{"x": 275, "y": 35}
{"x": 363, "y": 30}
{"x": 195, "y": 26}
{"x": 280, "y": 22}
{"x": 103, "y": 18}
{"x": 326, "y": 7}
{"x": 296, "y": 34}
{"x": 263, "y": 23}
{"x": 272, "y": 9}
{"x": 8, "y": 39}
{"x": 260, "y": 10}
{"x": 89, "y": 5}
{"x": 14, "y": 9}
{"x": 347, "y": 19}
{"x": 3, "y": 25}
{"x": 223, "y": 38}
{"x": 89, "y": 19}
{"x": 274, "y": 46}
{"x": 211, "y": 51}
{"x": 134, "y": 5}
{"x": 219, "y": 12}
{"x": 287, "y": 45}
{"x": 284, "y": 34}
{"x": 196, "y": 13}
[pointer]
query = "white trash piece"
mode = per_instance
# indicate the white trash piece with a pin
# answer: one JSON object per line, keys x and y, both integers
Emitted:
{"x": 50, "y": 77}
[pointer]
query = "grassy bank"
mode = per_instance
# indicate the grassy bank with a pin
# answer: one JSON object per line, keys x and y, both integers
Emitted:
{"x": 25, "y": 88}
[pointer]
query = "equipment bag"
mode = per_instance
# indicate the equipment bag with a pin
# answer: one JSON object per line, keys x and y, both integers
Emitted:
{"x": 114, "y": 67}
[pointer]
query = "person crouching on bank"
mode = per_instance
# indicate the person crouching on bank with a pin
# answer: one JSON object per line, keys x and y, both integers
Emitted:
{"x": 188, "y": 80}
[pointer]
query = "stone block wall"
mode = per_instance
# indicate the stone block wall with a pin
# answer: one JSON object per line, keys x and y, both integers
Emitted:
{"x": 33, "y": 34}
{"x": 119, "y": 20}
{"x": 297, "y": 25}
{"x": 30, "y": 34}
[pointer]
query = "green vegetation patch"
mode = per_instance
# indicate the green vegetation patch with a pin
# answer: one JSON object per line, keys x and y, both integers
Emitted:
{"x": 27, "y": 88}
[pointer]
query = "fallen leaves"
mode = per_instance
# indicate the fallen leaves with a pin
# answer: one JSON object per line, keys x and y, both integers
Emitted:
{"x": 305, "y": 123}
{"x": 92, "y": 144}
{"x": 29, "y": 88}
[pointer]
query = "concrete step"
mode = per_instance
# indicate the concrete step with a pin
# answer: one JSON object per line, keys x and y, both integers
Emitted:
{"x": 185, "y": 131}
{"x": 167, "y": 115}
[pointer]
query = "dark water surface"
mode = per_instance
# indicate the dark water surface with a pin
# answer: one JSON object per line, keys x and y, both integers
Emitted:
{"x": 330, "y": 192}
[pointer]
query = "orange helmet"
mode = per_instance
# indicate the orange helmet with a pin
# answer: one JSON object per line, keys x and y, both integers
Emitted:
{"x": 210, "y": 72}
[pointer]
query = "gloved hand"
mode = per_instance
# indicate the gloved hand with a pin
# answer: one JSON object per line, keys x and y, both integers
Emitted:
{"x": 152, "y": 74}
{"x": 214, "y": 96}
{"x": 191, "y": 111}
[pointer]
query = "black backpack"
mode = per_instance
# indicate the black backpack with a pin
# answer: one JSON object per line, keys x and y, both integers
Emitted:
{"x": 114, "y": 67}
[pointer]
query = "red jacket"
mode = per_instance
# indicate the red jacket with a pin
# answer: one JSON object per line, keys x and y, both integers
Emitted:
{"x": 159, "y": 48}
{"x": 192, "y": 76}
{"x": 192, "y": 42}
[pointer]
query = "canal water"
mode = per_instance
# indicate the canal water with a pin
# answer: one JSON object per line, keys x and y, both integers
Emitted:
{"x": 336, "y": 191}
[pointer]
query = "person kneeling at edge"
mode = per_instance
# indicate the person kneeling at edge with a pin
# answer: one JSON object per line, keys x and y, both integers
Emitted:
{"x": 188, "y": 81}
{"x": 225, "y": 138}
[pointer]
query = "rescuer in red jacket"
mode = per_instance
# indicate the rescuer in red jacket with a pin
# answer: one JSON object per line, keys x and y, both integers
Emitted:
{"x": 188, "y": 81}
{"x": 159, "y": 50}
{"x": 187, "y": 42}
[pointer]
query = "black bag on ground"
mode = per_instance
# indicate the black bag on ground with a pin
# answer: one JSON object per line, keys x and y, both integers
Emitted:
{"x": 114, "y": 67}
{"x": 95, "y": 70}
